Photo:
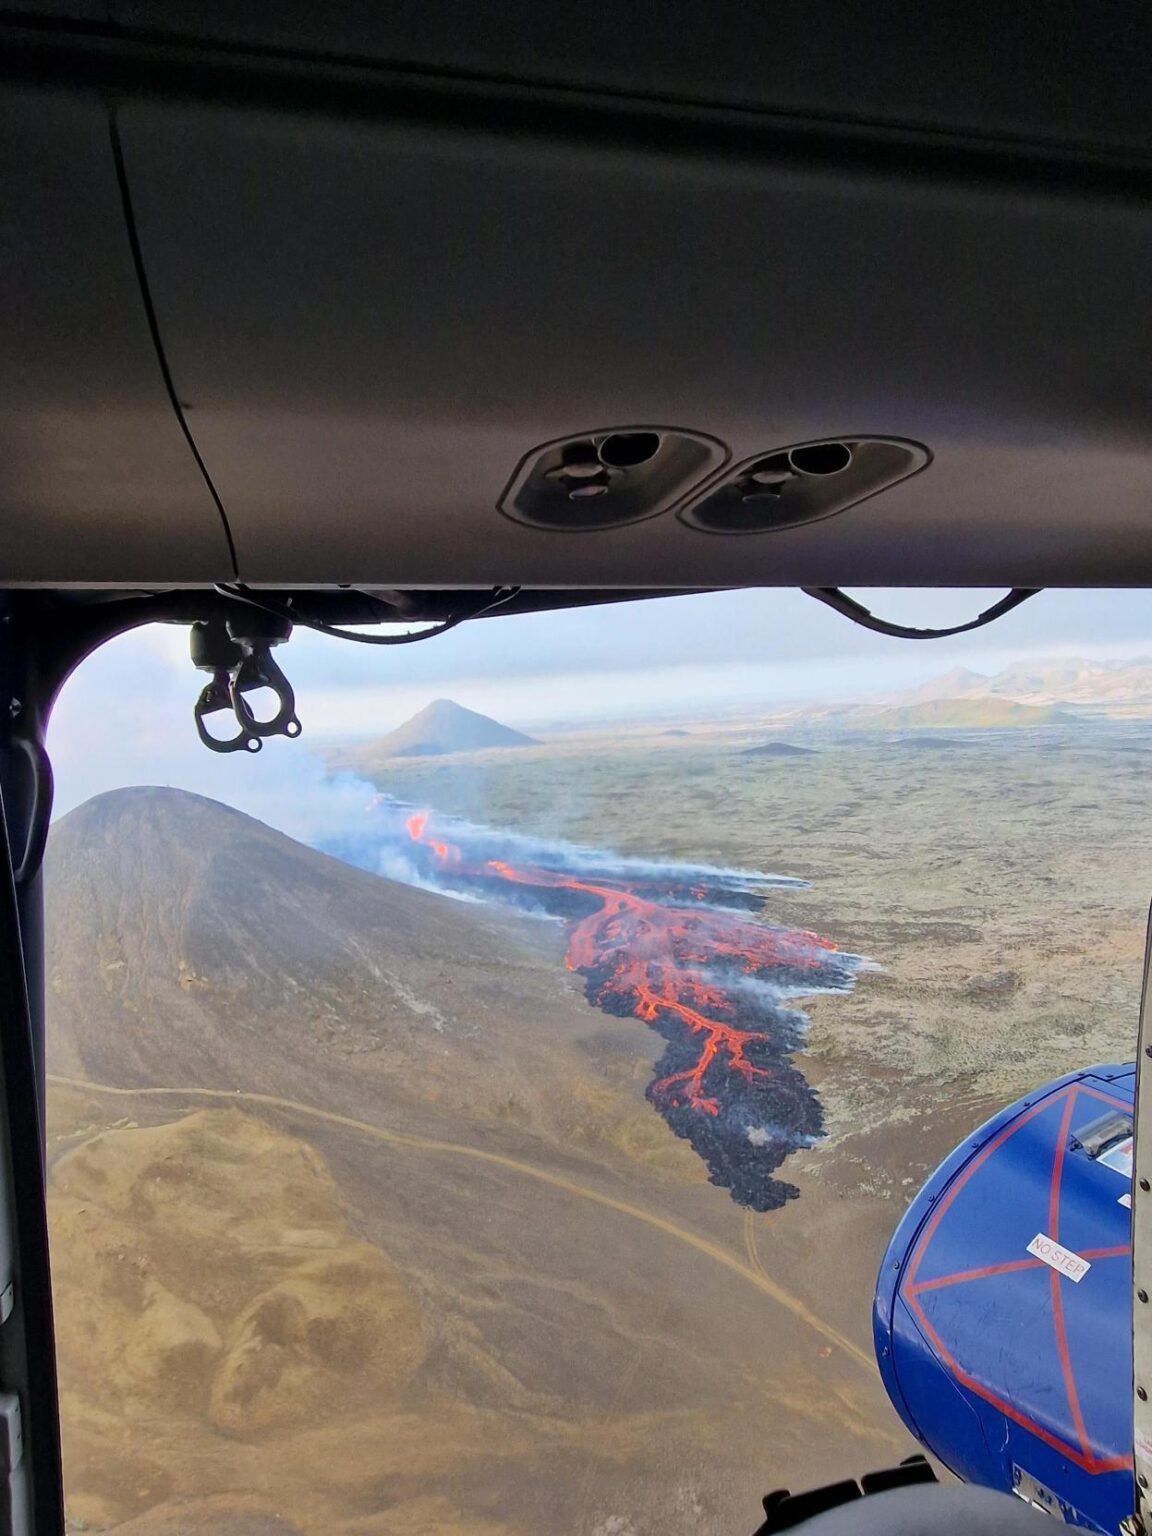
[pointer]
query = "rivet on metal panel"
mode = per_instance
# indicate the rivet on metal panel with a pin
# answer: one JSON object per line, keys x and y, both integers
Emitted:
{"x": 1143, "y": 1295}
{"x": 1141, "y": 1394}
{"x": 1142, "y": 1480}
{"x": 1145, "y": 1186}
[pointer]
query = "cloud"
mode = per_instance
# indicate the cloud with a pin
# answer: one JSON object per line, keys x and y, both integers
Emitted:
{"x": 125, "y": 717}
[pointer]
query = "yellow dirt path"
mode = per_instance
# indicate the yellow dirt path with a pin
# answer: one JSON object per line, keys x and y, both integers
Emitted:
{"x": 753, "y": 1272}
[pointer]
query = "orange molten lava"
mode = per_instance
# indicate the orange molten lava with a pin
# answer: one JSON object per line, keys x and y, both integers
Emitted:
{"x": 649, "y": 961}
{"x": 416, "y": 824}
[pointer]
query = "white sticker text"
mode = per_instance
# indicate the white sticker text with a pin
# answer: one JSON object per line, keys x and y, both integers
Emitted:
{"x": 1063, "y": 1260}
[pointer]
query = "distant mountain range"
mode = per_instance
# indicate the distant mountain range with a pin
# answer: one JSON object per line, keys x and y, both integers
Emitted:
{"x": 1046, "y": 691}
{"x": 1093, "y": 685}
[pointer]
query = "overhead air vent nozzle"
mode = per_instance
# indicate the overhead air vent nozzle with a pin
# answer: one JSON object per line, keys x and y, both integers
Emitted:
{"x": 820, "y": 458}
{"x": 790, "y": 486}
{"x": 609, "y": 478}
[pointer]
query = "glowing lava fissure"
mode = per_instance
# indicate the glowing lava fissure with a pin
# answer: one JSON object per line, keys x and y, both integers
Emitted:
{"x": 684, "y": 950}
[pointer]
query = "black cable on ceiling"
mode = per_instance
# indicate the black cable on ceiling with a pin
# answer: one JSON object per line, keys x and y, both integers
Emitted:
{"x": 242, "y": 594}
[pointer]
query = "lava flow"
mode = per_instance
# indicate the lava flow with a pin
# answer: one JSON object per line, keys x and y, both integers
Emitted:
{"x": 681, "y": 951}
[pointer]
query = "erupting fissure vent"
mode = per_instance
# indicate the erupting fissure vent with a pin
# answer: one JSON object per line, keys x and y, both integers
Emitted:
{"x": 681, "y": 950}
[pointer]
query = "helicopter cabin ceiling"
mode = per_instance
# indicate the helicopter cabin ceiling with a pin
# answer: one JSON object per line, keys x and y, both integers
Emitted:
{"x": 575, "y": 295}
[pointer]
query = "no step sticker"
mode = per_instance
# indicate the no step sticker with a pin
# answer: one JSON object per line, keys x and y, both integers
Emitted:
{"x": 1063, "y": 1260}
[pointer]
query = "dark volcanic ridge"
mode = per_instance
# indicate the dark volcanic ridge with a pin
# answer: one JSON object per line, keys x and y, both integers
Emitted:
{"x": 685, "y": 950}
{"x": 941, "y": 742}
{"x": 778, "y": 749}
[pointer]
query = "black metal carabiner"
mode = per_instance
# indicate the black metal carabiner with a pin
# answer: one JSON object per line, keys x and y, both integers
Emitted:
{"x": 217, "y": 696}
{"x": 237, "y": 652}
{"x": 258, "y": 670}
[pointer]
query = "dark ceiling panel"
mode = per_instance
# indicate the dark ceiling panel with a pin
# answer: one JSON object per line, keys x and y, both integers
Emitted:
{"x": 373, "y": 322}
{"x": 86, "y": 11}
{"x": 1062, "y": 72}
{"x": 97, "y": 483}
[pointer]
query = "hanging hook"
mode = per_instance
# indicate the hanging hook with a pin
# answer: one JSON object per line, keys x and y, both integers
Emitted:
{"x": 214, "y": 650}
{"x": 217, "y": 696}
{"x": 258, "y": 670}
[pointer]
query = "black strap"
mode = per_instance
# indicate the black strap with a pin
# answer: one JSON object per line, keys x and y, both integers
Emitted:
{"x": 851, "y": 609}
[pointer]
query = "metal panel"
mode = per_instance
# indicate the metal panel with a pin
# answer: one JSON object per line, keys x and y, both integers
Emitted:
{"x": 1061, "y": 71}
{"x": 374, "y": 321}
{"x": 1142, "y": 1256}
{"x": 96, "y": 480}
{"x": 1002, "y": 1315}
{"x": 31, "y": 1496}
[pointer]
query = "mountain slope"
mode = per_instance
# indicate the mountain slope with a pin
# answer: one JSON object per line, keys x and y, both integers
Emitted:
{"x": 1117, "y": 688}
{"x": 368, "y": 1209}
{"x": 1100, "y": 684}
{"x": 443, "y": 727}
{"x": 967, "y": 714}
{"x": 181, "y": 930}
{"x": 958, "y": 683}
{"x": 188, "y": 943}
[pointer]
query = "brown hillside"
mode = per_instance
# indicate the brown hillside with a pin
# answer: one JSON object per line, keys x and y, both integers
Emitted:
{"x": 191, "y": 944}
{"x": 361, "y": 1224}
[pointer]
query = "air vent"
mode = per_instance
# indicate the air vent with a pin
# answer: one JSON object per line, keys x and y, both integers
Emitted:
{"x": 609, "y": 478}
{"x": 801, "y": 484}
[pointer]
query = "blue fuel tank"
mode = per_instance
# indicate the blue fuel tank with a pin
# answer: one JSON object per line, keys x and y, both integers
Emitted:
{"x": 1003, "y": 1312}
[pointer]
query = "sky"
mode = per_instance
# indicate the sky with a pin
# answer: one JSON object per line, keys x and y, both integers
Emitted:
{"x": 124, "y": 717}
